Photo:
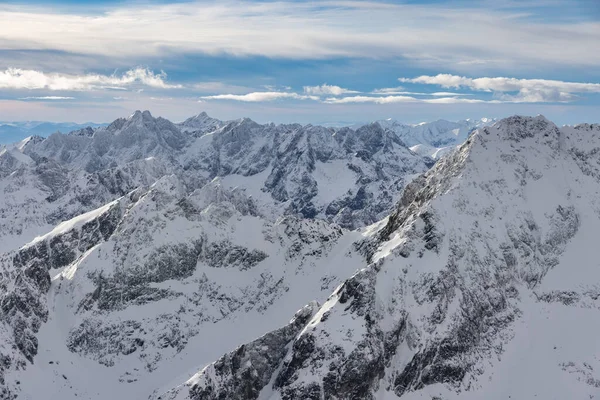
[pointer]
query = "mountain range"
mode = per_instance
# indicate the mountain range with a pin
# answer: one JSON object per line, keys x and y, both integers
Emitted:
{"x": 11, "y": 132}
{"x": 232, "y": 260}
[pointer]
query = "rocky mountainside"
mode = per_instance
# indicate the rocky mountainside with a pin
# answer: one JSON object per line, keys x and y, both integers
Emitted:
{"x": 148, "y": 260}
{"x": 133, "y": 290}
{"x": 351, "y": 177}
{"x": 481, "y": 284}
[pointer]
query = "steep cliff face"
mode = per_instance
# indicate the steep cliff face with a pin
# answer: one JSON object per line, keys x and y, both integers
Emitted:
{"x": 482, "y": 283}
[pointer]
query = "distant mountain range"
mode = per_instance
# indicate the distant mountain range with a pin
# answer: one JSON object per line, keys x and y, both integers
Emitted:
{"x": 11, "y": 132}
{"x": 432, "y": 139}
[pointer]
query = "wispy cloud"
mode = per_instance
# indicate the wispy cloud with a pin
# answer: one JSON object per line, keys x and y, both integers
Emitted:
{"x": 502, "y": 84}
{"x": 525, "y": 90}
{"x": 399, "y": 99}
{"x": 449, "y": 94}
{"x": 16, "y": 78}
{"x": 371, "y": 99}
{"x": 327, "y": 90}
{"x": 505, "y": 90}
{"x": 260, "y": 96}
{"x": 400, "y": 91}
{"x": 393, "y": 91}
{"x": 47, "y": 98}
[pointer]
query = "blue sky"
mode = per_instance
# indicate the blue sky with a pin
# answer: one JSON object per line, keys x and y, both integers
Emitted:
{"x": 310, "y": 62}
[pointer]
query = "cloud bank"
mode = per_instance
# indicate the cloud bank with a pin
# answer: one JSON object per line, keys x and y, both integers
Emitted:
{"x": 504, "y": 90}
{"x": 259, "y": 96}
{"x": 527, "y": 90}
{"x": 16, "y": 78}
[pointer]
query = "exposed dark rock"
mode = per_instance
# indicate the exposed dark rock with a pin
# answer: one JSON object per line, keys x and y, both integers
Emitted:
{"x": 241, "y": 374}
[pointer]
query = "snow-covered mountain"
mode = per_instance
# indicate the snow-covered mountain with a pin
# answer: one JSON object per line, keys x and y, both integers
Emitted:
{"x": 352, "y": 177}
{"x": 151, "y": 260}
{"x": 201, "y": 124}
{"x": 437, "y": 138}
{"x": 131, "y": 292}
{"x": 481, "y": 284}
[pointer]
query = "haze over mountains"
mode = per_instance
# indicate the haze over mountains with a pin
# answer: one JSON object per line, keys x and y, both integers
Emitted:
{"x": 232, "y": 260}
{"x": 11, "y": 132}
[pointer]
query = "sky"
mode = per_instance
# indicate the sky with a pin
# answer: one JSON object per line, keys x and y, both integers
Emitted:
{"x": 321, "y": 62}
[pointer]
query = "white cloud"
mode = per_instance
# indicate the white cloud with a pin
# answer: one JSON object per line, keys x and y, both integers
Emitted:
{"x": 400, "y": 99}
{"x": 400, "y": 91}
{"x": 275, "y": 88}
{"x": 455, "y": 100}
{"x": 542, "y": 95}
{"x": 327, "y": 90}
{"x": 260, "y": 96}
{"x": 16, "y": 78}
{"x": 527, "y": 90}
{"x": 370, "y": 99}
{"x": 505, "y": 90}
{"x": 47, "y": 98}
{"x": 502, "y": 84}
{"x": 437, "y": 35}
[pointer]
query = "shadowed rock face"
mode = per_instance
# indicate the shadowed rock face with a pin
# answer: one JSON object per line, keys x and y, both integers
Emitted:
{"x": 243, "y": 373}
{"x": 227, "y": 255}
{"x": 133, "y": 285}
